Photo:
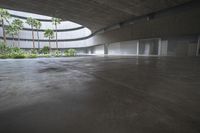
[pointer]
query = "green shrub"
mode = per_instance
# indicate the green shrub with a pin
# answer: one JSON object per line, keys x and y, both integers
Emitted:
{"x": 17, "y": 55}
{"x": 44, "y": 55}
{"x": 45, "y": 50}
{"x": 70, "y": 52}
{"x": 15, "y": 50}
{"x": 3, "y": 48}
{"x": 57, "y": 53}
{"x": 6, "y": 52}
{"x": 33, "y": 51}
{"x": 3, "y": 56}
{"x": 31, "y": 56}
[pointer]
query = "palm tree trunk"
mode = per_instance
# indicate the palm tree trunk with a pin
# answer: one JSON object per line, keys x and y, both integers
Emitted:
{"x": 38, "y": 39}
{"x": 4, "y": 32}
{"x": 56, "y": 37}
{"x": 33, "y": 37}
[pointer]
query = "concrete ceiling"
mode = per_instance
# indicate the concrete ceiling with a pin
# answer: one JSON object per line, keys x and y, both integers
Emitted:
{"x": 94, "y": 14}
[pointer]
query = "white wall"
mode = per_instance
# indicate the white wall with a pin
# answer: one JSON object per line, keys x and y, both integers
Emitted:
{"x": 123, "y": 48}
{"x": 184, "y": 46}
{"x": 163, "y": 48}
{"x": 114, "y": 49}
{"x": 61, "y": 35}
{"x": 98, "y": 49}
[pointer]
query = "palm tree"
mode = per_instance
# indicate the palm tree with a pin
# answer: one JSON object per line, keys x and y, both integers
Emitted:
{"x": 19, "y": 26}
{"x": 31, "y": 21}
{"x": 49, "y": 34}
{"x": 55, "y": 22}
{"x": 4, "y": 15}
{"x": 12, "y": 31}
{"x": 38, "y": 25}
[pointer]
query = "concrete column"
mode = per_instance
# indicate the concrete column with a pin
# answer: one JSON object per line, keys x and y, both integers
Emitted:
{"x": 89, "y": 51}
{"x": 198, "y": 46}
{"x": 106, "y": 49}
{"x": 164, "y": 45}
{"x": 159, "y": 47}
{"x": 138, "y": 47}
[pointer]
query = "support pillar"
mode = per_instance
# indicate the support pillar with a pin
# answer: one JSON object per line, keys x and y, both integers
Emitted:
{"x": 198, "y": 46}
{"x": 159, "y": 47}
{"x": 105, "y": 49}
{"x": 138, "y": 47}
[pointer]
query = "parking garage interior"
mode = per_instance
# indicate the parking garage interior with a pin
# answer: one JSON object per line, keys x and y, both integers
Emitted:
{"x": 136, "y": 69}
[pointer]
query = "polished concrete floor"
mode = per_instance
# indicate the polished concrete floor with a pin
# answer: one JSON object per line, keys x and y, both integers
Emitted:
{"x": 100, "y": 95}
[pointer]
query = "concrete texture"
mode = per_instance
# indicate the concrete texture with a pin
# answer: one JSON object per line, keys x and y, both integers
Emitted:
{"x": 185, "y": 46}
{"x": 165, "y": 25}
{"x": 123, "y": 48}
{"x": 119, "y": 21}
{"x": 174, "y": 46}
{"x": 95, "y": 14}
{"x": 98, "y": 49}
{"x": 100, "y": 95}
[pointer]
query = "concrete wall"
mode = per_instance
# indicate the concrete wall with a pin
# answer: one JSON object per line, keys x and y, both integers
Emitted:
{"x": 29, "y": 44}
{"x": 98, "y": 50}
{"x": 174, "y": 23}
{"x": 185, "y": 46}
{"x": 177, "y": 30}
{"x": 81, "y": 51}
{"x": 163, "y": 46}
{"x": 123, "y": 48}
{"x": 173, "y": 27}
{"x": 178, "y": 46}
{"x": 114, "y": 49}
{"x": 149, "y": 47}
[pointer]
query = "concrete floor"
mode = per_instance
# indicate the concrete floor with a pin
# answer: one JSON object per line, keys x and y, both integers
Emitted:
{"x": 100, "y": 95}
